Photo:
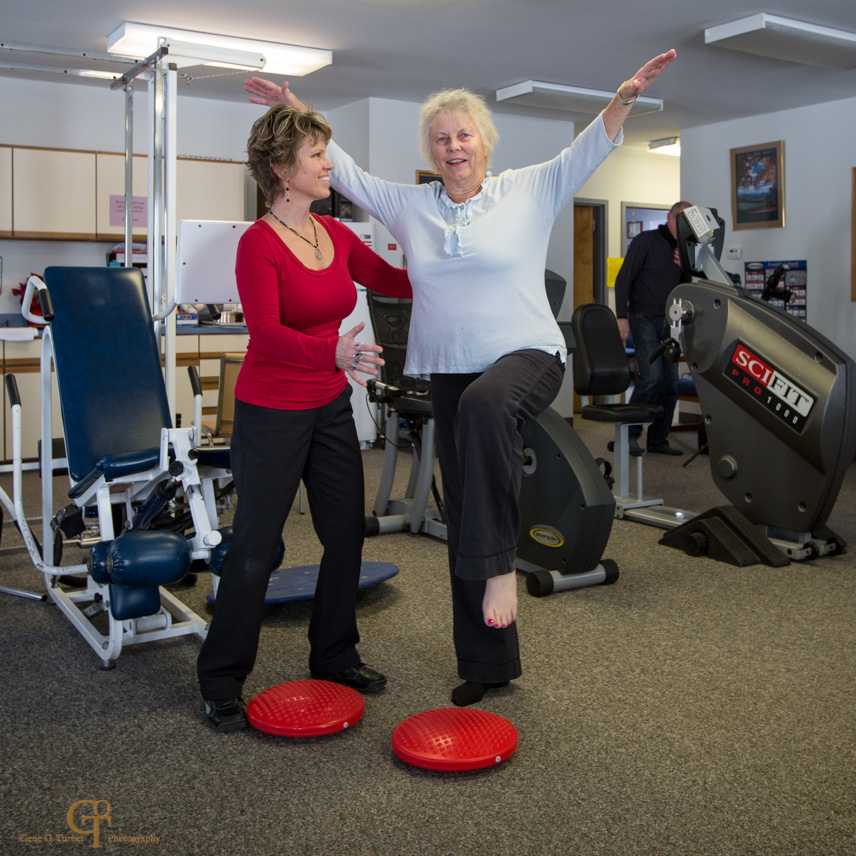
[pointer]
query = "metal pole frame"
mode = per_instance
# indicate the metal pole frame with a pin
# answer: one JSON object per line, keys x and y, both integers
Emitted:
{"x": 162, "y": 223}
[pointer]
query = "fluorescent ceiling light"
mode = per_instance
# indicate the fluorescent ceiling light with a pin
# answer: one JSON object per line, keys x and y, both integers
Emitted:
{"x": 98, "y": 75}
{"x": 53, "y": 69}
{"x": 573, "y": 99}
{"x": 141, "y": 40}
{"x": 787, "y": 39}
{"x": 666, "y": 146}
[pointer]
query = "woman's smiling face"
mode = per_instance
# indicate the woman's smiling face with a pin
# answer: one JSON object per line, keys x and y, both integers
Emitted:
{"x": 458, "y": 151}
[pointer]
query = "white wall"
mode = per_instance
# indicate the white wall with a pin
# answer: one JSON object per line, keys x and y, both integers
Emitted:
{"x": 92, "y": 117}
{"x": 632, "y": 175}
{"x": 87, "y": 116}
{"x": 381, "y": 134}
{"x": 819, "y": 157}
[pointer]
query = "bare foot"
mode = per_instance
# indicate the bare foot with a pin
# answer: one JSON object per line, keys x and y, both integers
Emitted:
{"x": 500, "y": 600}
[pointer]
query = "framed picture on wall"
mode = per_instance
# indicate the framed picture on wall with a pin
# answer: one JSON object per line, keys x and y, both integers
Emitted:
{"x": 640, "y": 217}
{"x": 424, "y": 176}
{"x": 758, "y": 186}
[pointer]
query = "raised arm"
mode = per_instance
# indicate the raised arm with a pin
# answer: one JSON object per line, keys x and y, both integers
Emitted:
{"x": 266, "y": 92}
{"x": 619, "y": 108}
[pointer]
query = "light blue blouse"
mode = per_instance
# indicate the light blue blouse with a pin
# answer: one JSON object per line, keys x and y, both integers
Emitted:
{"x": 477, "y": 268}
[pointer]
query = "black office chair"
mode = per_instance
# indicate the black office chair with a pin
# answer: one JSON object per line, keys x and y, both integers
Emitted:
{"x": 601, "y": 368}
{"x": 409, "y": 422}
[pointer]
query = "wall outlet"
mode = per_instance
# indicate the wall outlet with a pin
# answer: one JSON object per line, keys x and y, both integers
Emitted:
{"x": 734, "y": 253}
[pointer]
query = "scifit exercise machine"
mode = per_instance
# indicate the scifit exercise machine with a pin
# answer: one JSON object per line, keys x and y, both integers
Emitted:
{"x": 778, "y": 408}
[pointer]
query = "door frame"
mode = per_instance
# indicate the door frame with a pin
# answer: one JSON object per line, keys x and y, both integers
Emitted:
{"x": 600, "y": 217}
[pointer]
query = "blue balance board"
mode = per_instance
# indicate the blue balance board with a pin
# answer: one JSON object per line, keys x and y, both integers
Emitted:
{"x": 293, "y": 584}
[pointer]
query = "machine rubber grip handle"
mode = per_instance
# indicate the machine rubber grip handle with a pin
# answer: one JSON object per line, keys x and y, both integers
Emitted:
{"x": 195, "y": 385}
{"x": 655, "y": 354}
{"x": 12, "y": 390}
{"x": 47, "y": 304}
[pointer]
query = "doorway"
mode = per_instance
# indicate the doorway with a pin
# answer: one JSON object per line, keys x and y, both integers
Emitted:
{"x": 589, "y": 257}
{"x": 589, "y": 251}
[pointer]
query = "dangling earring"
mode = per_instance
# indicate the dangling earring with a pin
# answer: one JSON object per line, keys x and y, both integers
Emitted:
{"x": 286, "y": 194}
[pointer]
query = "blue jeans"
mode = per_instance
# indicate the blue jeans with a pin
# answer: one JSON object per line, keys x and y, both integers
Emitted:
{"x": 657, "y": 382}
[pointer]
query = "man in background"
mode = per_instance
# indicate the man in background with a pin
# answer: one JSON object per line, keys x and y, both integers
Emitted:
{"x": 650, "y": 271}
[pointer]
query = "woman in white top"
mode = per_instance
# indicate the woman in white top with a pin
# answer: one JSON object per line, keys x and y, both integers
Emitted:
{"x": 482, "y": 330}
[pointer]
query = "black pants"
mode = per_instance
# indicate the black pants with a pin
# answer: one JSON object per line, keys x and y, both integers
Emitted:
{"x": 479, "y": 421}
{"x": 271, "y": 451}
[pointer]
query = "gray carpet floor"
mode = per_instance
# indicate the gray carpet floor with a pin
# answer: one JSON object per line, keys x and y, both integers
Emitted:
{"x": 694, "y": 707}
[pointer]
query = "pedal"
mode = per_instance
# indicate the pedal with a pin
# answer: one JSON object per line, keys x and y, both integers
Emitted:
{"x": 69, "y": 521}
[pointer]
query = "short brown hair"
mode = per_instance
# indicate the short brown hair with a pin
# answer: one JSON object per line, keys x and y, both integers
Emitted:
{"x": 274, "y": 141}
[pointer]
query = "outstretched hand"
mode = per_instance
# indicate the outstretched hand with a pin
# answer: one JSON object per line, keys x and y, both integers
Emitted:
{"x": 266, "y": 92}
{"x": 619, "y": 108}
{"x": 646, "y": 75}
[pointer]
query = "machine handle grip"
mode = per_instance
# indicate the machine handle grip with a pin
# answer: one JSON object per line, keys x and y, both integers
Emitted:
{"x": 12, "y": 391}
{"x": 195, "y": 384}
{"x": 655, "y": 354}
{"x": 46, "y": 304}
{"x": 670, "y": 350}
{"x": 35, "y": 284}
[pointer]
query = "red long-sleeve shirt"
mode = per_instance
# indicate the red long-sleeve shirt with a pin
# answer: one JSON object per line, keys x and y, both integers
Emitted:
{"x": 293, "y": 314}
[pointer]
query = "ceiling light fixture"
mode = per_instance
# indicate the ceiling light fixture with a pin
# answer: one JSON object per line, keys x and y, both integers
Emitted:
{"x": 666, "y": 146}
{"x": 787, "y": 39}
{"x": 572, "y": 99}
{"x": 70, "y": 72}
{"x": 141, "y": 40}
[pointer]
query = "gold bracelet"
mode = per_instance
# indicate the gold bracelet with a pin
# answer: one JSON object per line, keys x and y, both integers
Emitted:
{"x": 621, "y": 100}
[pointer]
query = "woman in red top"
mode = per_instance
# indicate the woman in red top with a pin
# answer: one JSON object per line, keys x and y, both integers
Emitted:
{"x": 293, "y": 417}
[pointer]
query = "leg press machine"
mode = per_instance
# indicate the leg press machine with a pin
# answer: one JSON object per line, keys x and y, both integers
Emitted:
{"x": 151, "y": 489}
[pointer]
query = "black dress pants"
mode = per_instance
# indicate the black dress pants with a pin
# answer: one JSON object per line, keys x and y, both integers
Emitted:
{"x": 479, "y": 420}
{"x": 271, "y": 451}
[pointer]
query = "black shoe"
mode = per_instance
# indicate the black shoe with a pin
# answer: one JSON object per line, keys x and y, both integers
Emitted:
{"x": 664, "y": 449}
{"x": 470, "y": 692}
{"x": 635, "y": 448}
{"x": 228, "y": 714}
{"x": 362, "y": 678}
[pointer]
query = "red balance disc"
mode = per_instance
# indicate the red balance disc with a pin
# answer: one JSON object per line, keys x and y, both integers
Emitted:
{"x": 454, "y": 738}
{"x": 305, "y": 709}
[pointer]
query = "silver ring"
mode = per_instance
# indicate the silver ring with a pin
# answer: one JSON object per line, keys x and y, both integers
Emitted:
{"x": 358, "y": 356}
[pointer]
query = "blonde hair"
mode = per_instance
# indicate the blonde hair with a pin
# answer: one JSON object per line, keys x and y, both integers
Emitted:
{"x": 274, "y": 142}
{"x": 462, "y": 102}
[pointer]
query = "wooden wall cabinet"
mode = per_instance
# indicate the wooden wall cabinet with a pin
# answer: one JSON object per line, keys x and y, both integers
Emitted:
{"x": 54, "y": 194}
{"x": 209, "y": 190}
{"x": 203, "y": 351}
{"x": 63, "y": 195}
{"x": 110, "y": 182}
{"x": 5, "y": 191}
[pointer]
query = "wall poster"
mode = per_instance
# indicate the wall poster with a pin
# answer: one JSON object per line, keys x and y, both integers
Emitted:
{"x": 783, "y": 282}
